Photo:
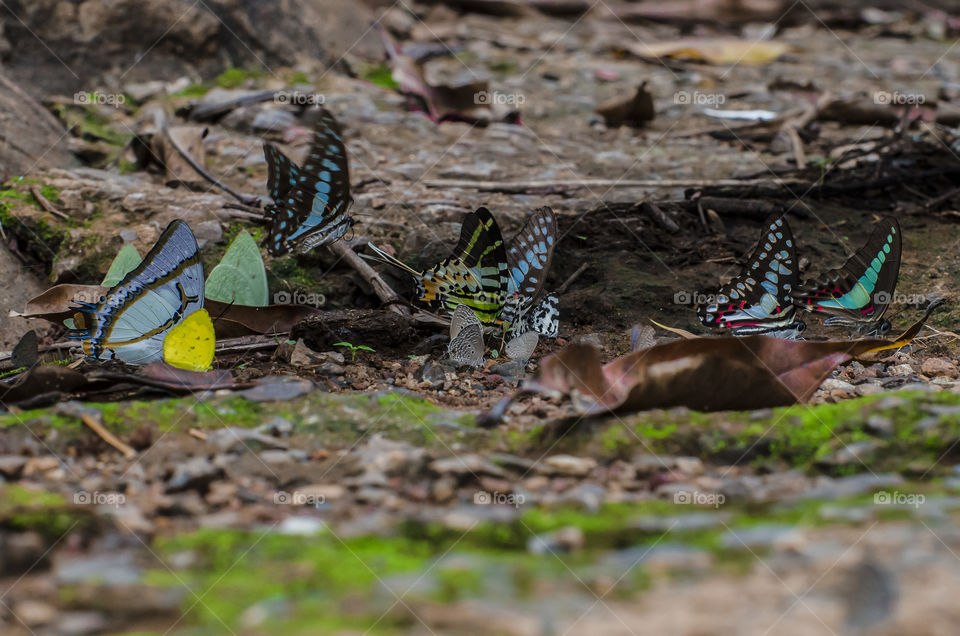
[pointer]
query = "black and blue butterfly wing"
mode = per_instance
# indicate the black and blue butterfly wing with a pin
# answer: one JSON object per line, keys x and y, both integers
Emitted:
{"x": 310, "y": 201}
{"x": 758, "y": 299}
{"x": 132, "y": 319}
{"x": 475, "y": 274}
{"x": 529, "y": 254}
{"x": 861, "y": 290}
{"x": 282, "y": 172}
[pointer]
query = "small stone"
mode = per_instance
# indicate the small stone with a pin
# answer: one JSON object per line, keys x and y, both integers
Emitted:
{"x": 833, "y": 384}
{"x": 879, "y": 425}
{"x": 44, "y": 464}
{"x": 194, "y": 474}
{"x": 939, "y": 367}
{"x": 11, "y": 466}
{"x": 566, "y": 539}
{"x": 567, "y": 465}
{"x": 900, "y": 370}
{"x": 867, "y": 389}
{"x": 34, "y": 613}
{"x": 466, "y": 465}
{"x": 330, "y": 369}
{"x": 431, "y": 373}
{"x": 592, "y": 339}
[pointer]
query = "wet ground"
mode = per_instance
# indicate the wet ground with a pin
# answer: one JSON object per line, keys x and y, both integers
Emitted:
{"x": 360, "y": 494}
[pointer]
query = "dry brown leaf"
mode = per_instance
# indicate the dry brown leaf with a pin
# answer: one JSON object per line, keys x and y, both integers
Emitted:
{"x": 705, "y": 374}
{"x": 714, "y": 51}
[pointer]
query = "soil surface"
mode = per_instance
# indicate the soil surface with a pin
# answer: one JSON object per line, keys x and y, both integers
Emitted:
{"x": 333, "y": 489}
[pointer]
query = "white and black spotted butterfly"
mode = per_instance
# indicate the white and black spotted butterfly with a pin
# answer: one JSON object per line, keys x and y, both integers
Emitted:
{"x": 758, "y": 300}
{"x": 466, "y": 337}
{"x": 310, "y": 201}
{"x": 544, "y": 318}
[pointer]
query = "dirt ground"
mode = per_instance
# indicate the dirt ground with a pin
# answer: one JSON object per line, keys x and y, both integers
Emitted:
{"x": 324, "y": 490}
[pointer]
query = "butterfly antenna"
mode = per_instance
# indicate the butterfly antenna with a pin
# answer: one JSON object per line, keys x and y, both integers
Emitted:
{"x": 225, "y": 310}
{"x": 383, "y": 257}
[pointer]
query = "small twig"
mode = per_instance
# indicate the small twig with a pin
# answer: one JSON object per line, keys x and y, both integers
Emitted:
{"x": 517, "y": 187}
{"x": 380, "y": 287}
{"x": 107, "y": 436}
{"x": 165, "y": 131}
{"x": 562, "y": 289}
{"x": 200, "y": 435}
{"x": 934, "y": 202}
{"x": 244, "y": 211}
{"x": 45, "y": 203}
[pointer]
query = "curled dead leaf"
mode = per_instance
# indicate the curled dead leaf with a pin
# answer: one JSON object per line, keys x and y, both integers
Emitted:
{"x": 705, "y": 374}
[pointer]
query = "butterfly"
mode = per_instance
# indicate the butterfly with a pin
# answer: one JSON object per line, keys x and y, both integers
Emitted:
{"x": 528, "y": 257}
{"x": 522, "y": 347}
{"x": 309, "y": 202}
{"x": 858, "y": 294}
{"x": 758, "y": 300}
{"x": 475, "y": 274}
{"x": 466, "y": 337}
{"x": 155, "y": 312}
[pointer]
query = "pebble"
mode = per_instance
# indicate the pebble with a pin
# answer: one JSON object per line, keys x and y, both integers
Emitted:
{"x": 466, "y": 465}
{"x": 867, "y": 388}
{"x": 567, "y": 465}
{"x": 34, "y": 613}
{"x": 566, "y": 539}
{"x": 900, "y": 370}
{"x": 11, "y": 466}
{"x": 833, "y": 384}
{"x": 939, "y": 367}
{"x": 194, "y": 474}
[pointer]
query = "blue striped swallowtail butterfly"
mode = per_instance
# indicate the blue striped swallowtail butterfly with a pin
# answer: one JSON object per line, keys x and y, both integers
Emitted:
{"x": 475, "y": 274}
{"x": 758, "y": 300}
{"x": 310, "y": 201}
{"x": 155, "y": 312}
{"x": 859, "y": 293}
{"x": 529, "y": 254}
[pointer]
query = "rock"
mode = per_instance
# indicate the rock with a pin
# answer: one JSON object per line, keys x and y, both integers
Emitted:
{"x": 857, "y": 453}
{"x": 900, "y": 370}
{"x": 833, "y": 384}
{"x": 34, "y": 613}
{"x": 432, "y": 373}
{"x": 36, "y": 465}
{"x": 11, "y": 466}
{"x": 592, "y": 339}
{"x": 79, "y": 623}
{"x": 466, "y": 465}
{"x": 879, "y": 425}
{"x": 194, "y": 474}
{"x": 143, "y": 91}
{"x": 208, "y": 232}
{"x": 566, "y": 539}
{"x": 237, "y": 439}
{"x": 21, "y": 552}
{"x": 753, "y": 538}
{"x": 867, "y": 388}
{"x": 567, "y": 465}
{"x": 278, "y": 388}
{"x": 511, "y": 371}
{"x": 331, "y": 369}
{"x": 939, "y": 367}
